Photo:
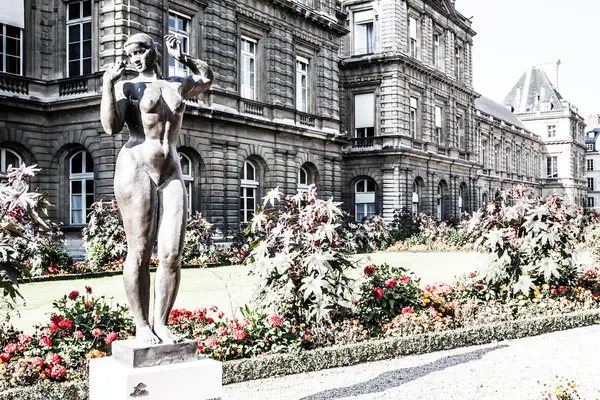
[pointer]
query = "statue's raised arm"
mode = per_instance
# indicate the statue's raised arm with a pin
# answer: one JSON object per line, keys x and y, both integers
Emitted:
{"x": 202, "y": 75}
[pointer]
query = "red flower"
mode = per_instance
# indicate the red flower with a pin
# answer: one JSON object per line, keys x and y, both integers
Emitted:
{"x": 37, "y": 361}
{"x": 55, "y": 358}
{"x": 238, "y": 334}
{"x": 471, "y": 274}
{"x": 89, "y": 303}
{"x": 53, "y": 328}
{"x": 408, "y": 310}
{"x": 45, "y": 342}
{"x": 221, "y": 314}
{"x": 88, "y": 289}
{"x": 78, "y": 334}
{"x": 55, "y": 319}
{"x": 65, "y": 323}
{"x": 405, "y": 280}
{"x": 245, "y": 322}
{"x": 5, "y": 357}
{"x": 97, "y": 332}
{"x": 391, "y": 283}
{"x": 74, "y": 295}
{"x": 553, "y": 291}
{"x": 562, "y": 289}
{"x": 58, "y": 371}
{"x": 369, "y": 269}
{"x": 479, "y": 286}
{"x": 110, "y": 337}
{"x": 275, "y": 320}
{"x": 378, "y": 292}
{"x": 10, "y": 348}
{"x": 24, "y": 338}
{"x": 211, "y": 342}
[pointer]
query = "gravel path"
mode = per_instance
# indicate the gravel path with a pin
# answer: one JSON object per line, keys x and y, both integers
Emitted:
{"x": 506, "y": 370}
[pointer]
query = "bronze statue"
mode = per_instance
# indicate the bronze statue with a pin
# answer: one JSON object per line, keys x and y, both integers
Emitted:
{"x": 148, "y": 184}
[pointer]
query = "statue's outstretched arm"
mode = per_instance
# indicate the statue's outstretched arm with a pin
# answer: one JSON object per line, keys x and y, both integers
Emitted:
{"x": 202, "y": 75}
{"x": 114, "y": 103}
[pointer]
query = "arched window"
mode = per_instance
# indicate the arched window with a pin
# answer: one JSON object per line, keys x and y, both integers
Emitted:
{"x": 417, "y": 196}
{"x": 248, "y": 191}
{"x": 188, "y": 178}
{"x": 8, "y": 157}
{"x": 442, "y": 191}
{"x": 303, "y": 179}
{"x": 364, "y": 199}
{"x": 81, "y": 187}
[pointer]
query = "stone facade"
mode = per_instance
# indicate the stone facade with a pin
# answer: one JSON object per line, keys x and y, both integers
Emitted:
{"x": 592, "y": 163}
{"x": 48, "y": 117}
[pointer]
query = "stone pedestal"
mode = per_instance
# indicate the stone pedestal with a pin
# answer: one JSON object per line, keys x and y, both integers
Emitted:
{"x": 158, "y": 372}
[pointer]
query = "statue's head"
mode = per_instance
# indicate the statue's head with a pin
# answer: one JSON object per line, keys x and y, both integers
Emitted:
{"x": 142, "y": 53}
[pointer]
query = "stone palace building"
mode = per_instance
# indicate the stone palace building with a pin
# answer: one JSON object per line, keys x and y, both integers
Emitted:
{"x": 371, "y": 101}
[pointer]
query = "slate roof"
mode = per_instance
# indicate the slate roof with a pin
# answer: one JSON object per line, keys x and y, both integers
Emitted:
{"x": 497, "y": 110}
{"x": 592, "y": 135}
{"x": 533, "y": 89}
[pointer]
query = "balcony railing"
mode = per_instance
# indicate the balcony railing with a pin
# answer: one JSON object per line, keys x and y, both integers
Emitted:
{"x": 305, "y": 119}
{"x": 252, "y": 108}
{"x": 72, "y": 86}
{"x": 14, "y": 84}
{"x": 359, "y": 143}
{"x": 26, "y": 87}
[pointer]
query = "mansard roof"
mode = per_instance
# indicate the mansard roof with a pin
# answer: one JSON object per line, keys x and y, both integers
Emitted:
{"x": 534, "y": 91}
{"x": 497, "y": 110}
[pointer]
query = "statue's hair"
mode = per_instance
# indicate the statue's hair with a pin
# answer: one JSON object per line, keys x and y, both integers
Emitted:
{"x": 147, "y": 42}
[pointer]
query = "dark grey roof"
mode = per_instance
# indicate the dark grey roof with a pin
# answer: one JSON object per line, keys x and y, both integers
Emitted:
{"x": 497, "y": 110}
{"x": 532, "y": 90}
{"x": 592, "y": 135}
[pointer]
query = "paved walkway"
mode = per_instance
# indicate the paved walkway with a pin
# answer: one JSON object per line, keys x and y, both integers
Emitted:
{"x": 500, "y": 371}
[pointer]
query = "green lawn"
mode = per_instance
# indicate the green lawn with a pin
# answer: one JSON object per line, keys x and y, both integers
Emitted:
{"x": 230, "y": 287}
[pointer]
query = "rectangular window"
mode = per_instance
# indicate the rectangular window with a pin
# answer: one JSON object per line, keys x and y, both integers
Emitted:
{"x": 248, "y": 68}
{"x": 412, "y": 123}
{"x": 364, "y": 210}
{"x": 302, "y": 84}
{"x": 590, "y": 202}
{"x": 483, "y": 154}
{"x": 590, "y": 182}
{"x": 590, "y": 165}
{"x": 364, "y": 115}
{"x": 590, "y": 147}
{"x": 527, "y": 165}
{"x": 518, "y": 162}
{"x": 247, "y": 204}
{"x": 551, "y": 131}
{"x": 552, "y": 167}
{"x": 307, "y": 3}
{"x": 179, "y": 26}
{"x": 458, "y": 60}
{"x": 438, "y": 125}
{"x": 497, "y": 157}
{"x": 363, "y": 32}
{"x": 460, "y": 128}
{"x": 79, "y": 38}
{"x": 11, "y": 49}
{"x": 413, "y": 40}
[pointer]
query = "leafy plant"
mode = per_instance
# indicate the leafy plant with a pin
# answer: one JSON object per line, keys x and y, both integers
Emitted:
{"x": 104, "y": 237}
{"x": 372, "y": 234}
{"x": 198, "y": 238}
{"x": 299, "y": 256}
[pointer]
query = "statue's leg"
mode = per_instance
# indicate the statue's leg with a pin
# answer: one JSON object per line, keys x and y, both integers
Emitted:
{"x": 171, "y": 233}
{"x": 138, "y": 201}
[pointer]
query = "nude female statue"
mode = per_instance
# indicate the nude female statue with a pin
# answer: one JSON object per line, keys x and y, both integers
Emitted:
{"x": 148, "y": 183}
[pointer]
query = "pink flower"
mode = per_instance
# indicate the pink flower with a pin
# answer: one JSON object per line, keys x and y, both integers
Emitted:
{"x": 58, "y": 371}
{"x": 45, "y": 342}
{"x": 408, "y": 310}
{"x": 110, "y": 337}
{"x": 65, "y": 323}
{"x": 245, "y": 322}
{"x": 55, "y": 358}
{"x": 78, "y": 335}
{"x": 37, "y": 361}
{"x": 553, "y": 291}
{"x": 10, "y": 348}
{"x": 89, "y": 303}
{"x": 461, "y": 288}
{"x": 471, "y": 274}
{"x": 5, "y": 357}
{"x": 238, "y": 334}
{"x": 74, "y": 295}
{"x": 378, "y": 292}
{"x": 479, "y": 286}
{"x": 24, "y": 338}
{"x": 221, "y": 331}
{"x": 391, "y": 283}
{"x": 405, "y": 280}
{"x": 97, "y": 332}
{"x": 369, "y": 269}
{"x": 211, "y": 342}
{"x": 275, "y": 320}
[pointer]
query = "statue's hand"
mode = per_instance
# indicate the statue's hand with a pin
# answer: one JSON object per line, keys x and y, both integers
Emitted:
{"x": 114, "y": 72}
{"x": 173, "y": 47}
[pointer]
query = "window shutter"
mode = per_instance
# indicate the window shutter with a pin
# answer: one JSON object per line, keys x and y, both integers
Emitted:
{"x": 364, "y": 110}
{"x": 438, "y": 117}
{"x": 12, "y": 12}
{"x": 363, "y": 16}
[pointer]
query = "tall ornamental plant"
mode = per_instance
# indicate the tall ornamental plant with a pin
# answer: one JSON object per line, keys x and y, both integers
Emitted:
{"x": 529, "y": 241}
{"x": 104, "y": 237}
{"x": 298, "y": 253}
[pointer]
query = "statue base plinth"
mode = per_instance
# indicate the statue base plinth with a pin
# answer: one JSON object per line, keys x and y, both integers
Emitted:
{"x": 134, "y": 354}
{"x": 193, "y": 380}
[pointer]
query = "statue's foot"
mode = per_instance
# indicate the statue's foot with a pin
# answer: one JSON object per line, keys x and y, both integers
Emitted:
{"x": 165, "y": 334}
{"x": 146, "y": 335}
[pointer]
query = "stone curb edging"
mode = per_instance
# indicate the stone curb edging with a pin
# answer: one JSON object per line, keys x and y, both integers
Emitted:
{"x": 101, "y": 274}
{"x": 351, "y": 354}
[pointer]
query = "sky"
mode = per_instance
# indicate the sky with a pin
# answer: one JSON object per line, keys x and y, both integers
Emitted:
{"x": 513, "y": 35}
